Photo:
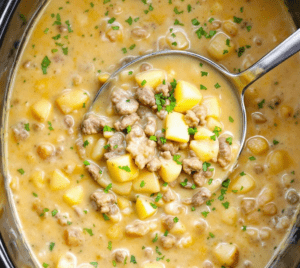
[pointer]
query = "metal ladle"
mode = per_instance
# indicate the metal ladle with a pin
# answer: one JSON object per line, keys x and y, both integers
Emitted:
{"x": 240, "y": 82}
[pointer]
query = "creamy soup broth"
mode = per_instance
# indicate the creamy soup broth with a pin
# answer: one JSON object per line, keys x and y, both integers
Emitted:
{"x": 74, "y": 47}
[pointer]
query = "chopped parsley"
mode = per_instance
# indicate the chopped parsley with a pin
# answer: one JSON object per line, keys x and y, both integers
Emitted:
{"x": 242, "y": 173}
{"x": 175, "y": 220}
{"x": 143, "y": 82}
{"x": 45, "y": 64}
{"x": 229, "y": 140}
{"x": 241, "y": 51}
{"x": 275, "y": 142}
{"x": 54, "y": 212}
{"x": 128, "y": 129}
{"x": 244, "y": 228}
{"x": 205, "y": 166}
{"x": 204, "y": 73}
{"x": 89, "y": 231}
{"x": 153, "y": 205}
{"x": 158, "y": 197}
{"x": 175, "y": 158}
{"x": 177, "y": 11}
{"x": 129, "y": 20}
{"x": 177, "y": 22}
{"x": 21, "y": 171}
{"x": 195, "y": 22}
{"x": 155, "y": 238}
{"x": 26, "y": 126}
{"x": 231, "y": 120}
{"x": 110, "y": 21}
{"x": 163, "y": 140}
{"x": 237, "y": 20}
{"x": 126, "y": 168}
{"x": 261, "y": 104}
{"x": 133, "y": 260}
{"x": 153, "y": 138}
{"x": 252, "y": 158}
{"x": 184, "y": 183}
{"x": 192, "y": 131}
{"x": 217, "y": 86}
{"x": 34, "y": 194}
{"x": 225, "y": 205}
{"x": 51, "y": 246}
{"x": 142, "y": 184}
{"x": 109, "y": 245}
{"x": 203, "y": 87}
{"x": 108, "y": 187}
{"x": 86, "y": 143}
{"x": 86, "y": 163}
{"x": 205, "y": 213}
{"x": 105, "y": 217}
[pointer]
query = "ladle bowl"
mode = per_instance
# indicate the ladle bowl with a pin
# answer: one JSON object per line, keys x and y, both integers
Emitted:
{"x": 239, "y": 82}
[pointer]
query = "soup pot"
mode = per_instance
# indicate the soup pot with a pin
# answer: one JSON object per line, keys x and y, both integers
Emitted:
{"x": 16, "y": 20}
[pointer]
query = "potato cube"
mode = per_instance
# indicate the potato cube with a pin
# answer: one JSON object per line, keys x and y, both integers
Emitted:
{"x": 108, "y": 134}
{"x": 229, "y": 216}
{"x": 147, "y": 182}
{"x": 218, "y": 48}
{"x": 74, "y": 196}
{"x": 177, "y": 40}
{"x": 265, "y": 196}
{"x": 243, "y": 184}
{"x": 212, "y": 123}
{"x": 123, "y": 202}
{"x": 179, "y": 228}
{"x": 278, "y": 161}
{"x": 41, "y": 110}
{"x": 213, "y": 107}
{"x": 145, "y": 208}
{"x": 103, "y": 77}
{"x": 122, "y": 168}
{"x": 187, "y": 96}
{"x": 72, "y": 100}
{"x": 227, "y": 254}
{"x": 169, "y": 170}
{"x": 150, "y": 78}
{"x": 258, "y": 145}
{"x": 38, "y": 178}
{"x": 203, "y": 133}
{"x": 58, "y": 181}
{"x": 123, "y": 188}
{"x": 67, "y": 261}
{"x": 99, "y": 150}
{"x": 177, "y": 129}
{"x": 206, "y": 150}
{"x": 114, "y": 232}
{"x": 153, "y": 265}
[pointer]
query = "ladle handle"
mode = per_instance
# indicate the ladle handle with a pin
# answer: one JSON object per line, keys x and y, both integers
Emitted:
{"x": 279, "y": 54}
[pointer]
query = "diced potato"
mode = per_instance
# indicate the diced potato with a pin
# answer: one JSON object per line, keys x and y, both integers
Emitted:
{"x": 229, "y": 216}
{"x": 108, "y": 134}
{"x": 230, "y": 28}
{"x": 170, "y": 170}
{"x": 41, "y": 110}
{"x": 152, "y": 77}
{"x": 123, "y": 202}
{"x": 72, "y": 100}
{"x": 103, "y": 77}
{"x": 203, "y": 133}
{"x": 147, "y": 182}
{"x": 217, "y": 46}
{"x": 99, "y": 150}
{"x": 258, "y": 145}
{"x": 206, "y": 150}
{"x": 45, "y": 150}
{"x": 67, "y": 261}
{"x": 213, "y": 107}
{"x": 114, "y": 232}
{"x": 243, "y": 184}
{"x": 58, "y": 181}
{"x": 187, "y": 96}
{"x": 214, "y": 185}
{"x": 153, "y": 265}
{"x": 144, "y": 208}
{"x": 278, "y": 161}
{"x": 177, "y": 40}
{"x": 38, "y": 178}
{"x": 211, "y": 123}
{"x": 227, "y": 254}
{"x": 265, "y": 196}
{"x": 179, "y": 228}
{"x": 286, "y": 111}
{"x": 74, "y": 196}
{"x": 123, "y": 188}
{"x": 216, "y": 8}
{"x": 117, "y": 165}
{"x": 177, "y": 129}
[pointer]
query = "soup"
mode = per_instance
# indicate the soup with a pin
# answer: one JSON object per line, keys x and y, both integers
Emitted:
{"x": 148, "y": 176}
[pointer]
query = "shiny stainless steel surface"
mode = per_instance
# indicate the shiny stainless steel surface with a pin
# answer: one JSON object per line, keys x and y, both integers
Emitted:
{"x": 12, "y": 243}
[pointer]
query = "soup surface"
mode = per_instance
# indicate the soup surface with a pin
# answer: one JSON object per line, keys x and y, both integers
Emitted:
{"x": 147, "y": 177}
